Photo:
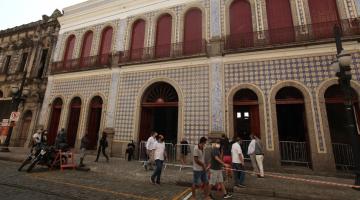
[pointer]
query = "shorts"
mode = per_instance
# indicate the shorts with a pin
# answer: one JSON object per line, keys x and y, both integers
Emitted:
{"x": 200, "y": 177}
{"x": 216, "y": 176}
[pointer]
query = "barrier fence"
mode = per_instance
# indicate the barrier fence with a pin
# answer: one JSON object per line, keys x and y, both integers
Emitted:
{"x": 294, "y": 152}
{"x": 343, "y": 156}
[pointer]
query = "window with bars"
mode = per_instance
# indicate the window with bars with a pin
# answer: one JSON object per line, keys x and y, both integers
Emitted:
{"x": 23, "y": 62}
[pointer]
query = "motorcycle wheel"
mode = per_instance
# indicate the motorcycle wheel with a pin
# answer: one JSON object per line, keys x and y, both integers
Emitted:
{"x": 32, "y": 165}
{"x": 25, "y": 162}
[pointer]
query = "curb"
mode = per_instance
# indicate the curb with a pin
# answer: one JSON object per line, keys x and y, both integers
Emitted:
{"x": 281, "y": 195}
{"x": 11, "y": 159}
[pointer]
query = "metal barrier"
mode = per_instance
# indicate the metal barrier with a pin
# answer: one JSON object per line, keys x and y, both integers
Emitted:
{"x": 169, "y": 147}
{"x": 181, "y": 149}
{"x": 294, "y": 152}
{"x": 343, "y": 156}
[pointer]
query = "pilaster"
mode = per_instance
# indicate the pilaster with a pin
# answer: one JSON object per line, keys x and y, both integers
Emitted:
{"x": 217, "y": 100}
{"x": 110, "y": 111}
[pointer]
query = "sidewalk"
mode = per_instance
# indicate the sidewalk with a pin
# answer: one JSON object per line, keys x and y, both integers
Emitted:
{"x": 267, "y": 187}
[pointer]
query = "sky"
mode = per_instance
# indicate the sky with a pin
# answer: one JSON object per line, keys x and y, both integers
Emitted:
{"x": 17, "y": 12}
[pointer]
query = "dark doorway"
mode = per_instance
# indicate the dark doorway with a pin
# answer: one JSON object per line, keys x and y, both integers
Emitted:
{"x": 54, "y": 120}
{"x": 246, "y": 114}
{"x": 94, "y": 121}
{"x": 159, "y": 112}
{"x": 341, "y": 142}
{"x": 73, "y": 123}
{"x": 292, "y": 127}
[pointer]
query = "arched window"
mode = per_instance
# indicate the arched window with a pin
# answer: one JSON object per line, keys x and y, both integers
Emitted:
{"x": 281, "y": 28}
{"x": 193, "y": 32}
{"x": 163, "y": 36}
{"x": 241, "y": 31}
{"x": 137, "y": 40}
{"x": 69, "y": 50}
{"x": 105, "y": 46}
{"x": 86, "y": 48}
{"x": 54, "y": 120}
{"x": 324, "y": 15}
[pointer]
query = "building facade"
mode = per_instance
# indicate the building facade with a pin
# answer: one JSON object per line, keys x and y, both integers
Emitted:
{"x": 192, "y": 68}
{"x": 25, "y": 54}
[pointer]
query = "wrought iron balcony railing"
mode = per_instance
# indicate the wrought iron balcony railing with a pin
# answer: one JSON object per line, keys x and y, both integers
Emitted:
{"x": 82, "y": 64}
{"x": 162, "y": 52}
{"x": 267, "y": 39}
{"x": 290, "y": 35}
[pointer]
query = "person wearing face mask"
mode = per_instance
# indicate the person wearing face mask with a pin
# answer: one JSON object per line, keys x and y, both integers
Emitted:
{"x": 216, "y": 175}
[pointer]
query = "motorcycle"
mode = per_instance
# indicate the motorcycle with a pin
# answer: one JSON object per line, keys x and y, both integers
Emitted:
{"x": 28, "y": 158}
{"x": 46, "y": 157}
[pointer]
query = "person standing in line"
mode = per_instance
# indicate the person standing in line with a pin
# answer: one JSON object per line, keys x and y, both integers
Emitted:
{"x": 103, "y": 144}
{"x": 256, "y": 153}
{"x": 238, "y": 163}
{"x": 160, "y": 156}
{"x": 150, "y": 146}
{"x": 83, "y": 147}
{"x": 184, "y": 150}
{"x": 130, "y": 150}
{"x": 200, "y": 169}
{"x": 216, "y": 175}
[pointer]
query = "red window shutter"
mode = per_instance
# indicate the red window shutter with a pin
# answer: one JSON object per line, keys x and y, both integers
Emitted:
{"x": 193, "y": 32}
{"x": 241, "y": 32}
{"x": 69, "y": 48}
{"x": 281, "y": 28}
{"x": 106, "y": 40}
{"x": 137, "y": 40}
{"x": 324, "y": 15}
{"x": 87, "y": 42}
{"x": 105, "y": 46}
{"x": 163, "y": 36}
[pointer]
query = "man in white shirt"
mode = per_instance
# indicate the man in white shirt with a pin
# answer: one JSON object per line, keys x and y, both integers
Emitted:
{"x": 150, "y": 147}
{"x": 160, "y": 156}
{"x": 256, "y": 154}
{"x": 238, "y": 163}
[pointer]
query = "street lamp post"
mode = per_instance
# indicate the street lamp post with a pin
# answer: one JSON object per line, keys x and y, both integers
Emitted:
{"x": 17, "y": 98}
{"x": 343, "y": 72}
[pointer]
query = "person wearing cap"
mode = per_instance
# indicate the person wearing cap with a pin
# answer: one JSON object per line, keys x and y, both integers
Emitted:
{"x": 216, "y": 174}
{"x": 200, "y": 169}
{"x": 159, "y": 156}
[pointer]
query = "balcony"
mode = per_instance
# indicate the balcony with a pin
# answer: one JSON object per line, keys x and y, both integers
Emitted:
{"x": 82, "y": 64}
{"x": 162, "y": 52}
{"x": 290, "y": 36}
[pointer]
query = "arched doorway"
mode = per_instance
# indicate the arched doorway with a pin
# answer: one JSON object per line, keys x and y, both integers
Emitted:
{"x": 25, "y": 128}
{"x": 246, "y": 114}
{"x": 54, "y": 120}
{"x": 292, "y": 126}
{"x": 159, "y": 112}
{"x": 94, "y": 121}
{"x": 1, "y": 94}
{"x": 73, "y": 123}
{"x": 335, "y": 110}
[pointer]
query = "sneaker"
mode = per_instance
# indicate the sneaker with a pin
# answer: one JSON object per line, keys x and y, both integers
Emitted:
{"x": 227, "y": 196}
{"x": 152, "y": 180}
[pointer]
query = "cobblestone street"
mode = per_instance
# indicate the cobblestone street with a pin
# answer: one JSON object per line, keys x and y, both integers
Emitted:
{"x": 71, "y": 184}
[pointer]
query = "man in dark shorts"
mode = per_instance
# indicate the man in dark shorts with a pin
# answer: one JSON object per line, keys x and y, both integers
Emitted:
{"x": 216, "y": 174}
{"x": 200, "y": 168}
{"x": 184, "y": 150}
